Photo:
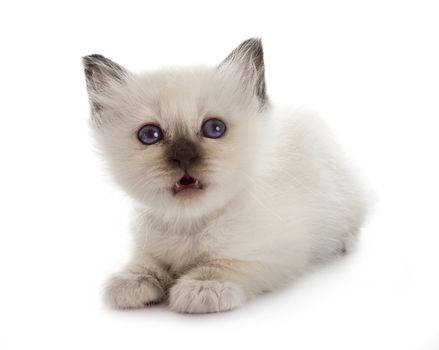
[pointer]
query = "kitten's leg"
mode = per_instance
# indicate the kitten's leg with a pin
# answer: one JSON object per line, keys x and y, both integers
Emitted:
{"x": 138, "y": 285}
{"x": 218, "y": 285}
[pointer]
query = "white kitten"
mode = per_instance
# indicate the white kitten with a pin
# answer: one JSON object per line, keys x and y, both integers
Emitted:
{"x": 234, "y": 196}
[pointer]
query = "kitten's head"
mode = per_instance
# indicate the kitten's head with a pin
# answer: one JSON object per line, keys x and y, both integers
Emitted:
{"x": 181, "y": 141}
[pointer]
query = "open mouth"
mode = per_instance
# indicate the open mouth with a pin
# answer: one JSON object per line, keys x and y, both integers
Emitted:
{"x": 187, "y": 182}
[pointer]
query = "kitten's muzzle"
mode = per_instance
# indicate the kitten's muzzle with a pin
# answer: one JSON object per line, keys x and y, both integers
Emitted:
{"x": 184, "y": 153}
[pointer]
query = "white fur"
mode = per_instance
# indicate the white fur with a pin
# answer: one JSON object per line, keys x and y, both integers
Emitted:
{"x": 279, "y": 194}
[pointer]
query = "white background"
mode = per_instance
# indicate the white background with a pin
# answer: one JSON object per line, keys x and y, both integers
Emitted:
{"x": 370, "y": 67}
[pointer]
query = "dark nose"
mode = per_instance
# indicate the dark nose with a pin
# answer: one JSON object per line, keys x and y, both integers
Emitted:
{"x": 183, "y": 152}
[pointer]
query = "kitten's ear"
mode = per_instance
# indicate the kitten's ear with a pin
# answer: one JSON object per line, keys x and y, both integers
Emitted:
{"x": 101, "y": 73}
{"x": 249, "y": 58}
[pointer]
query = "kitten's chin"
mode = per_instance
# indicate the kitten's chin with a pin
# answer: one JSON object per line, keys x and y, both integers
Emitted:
{"x": 189, "y": 203}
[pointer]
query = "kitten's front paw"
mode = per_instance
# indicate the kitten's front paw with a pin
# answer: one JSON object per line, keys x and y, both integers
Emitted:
{"x": 132, "y": 291}
{"x": 203, "y": 296}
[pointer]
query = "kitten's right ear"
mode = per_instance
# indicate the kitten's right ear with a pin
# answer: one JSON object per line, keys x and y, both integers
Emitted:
{"x": 101, "y": 73}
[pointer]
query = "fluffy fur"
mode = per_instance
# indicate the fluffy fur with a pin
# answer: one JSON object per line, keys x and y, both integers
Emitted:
{"x": 277, "y": 192}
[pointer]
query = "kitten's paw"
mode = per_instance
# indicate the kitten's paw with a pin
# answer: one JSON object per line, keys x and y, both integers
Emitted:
{"x": 132, "y": 291}
{"x": 203, "y": 296}
{"x": 349, "y": 243}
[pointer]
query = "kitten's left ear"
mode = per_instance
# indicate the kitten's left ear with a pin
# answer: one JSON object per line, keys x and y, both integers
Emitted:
{"x": 249, "y": 58}
{"x": 101, "y": 74}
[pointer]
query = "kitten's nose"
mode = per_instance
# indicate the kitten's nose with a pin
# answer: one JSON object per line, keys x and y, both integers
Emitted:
{"x": 184, "y": 152}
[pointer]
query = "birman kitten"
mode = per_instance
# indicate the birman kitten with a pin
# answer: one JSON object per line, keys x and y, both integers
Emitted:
{"x": 234, "y": 196}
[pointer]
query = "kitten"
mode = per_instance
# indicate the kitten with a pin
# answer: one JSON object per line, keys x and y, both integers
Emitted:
{"x": 234, "y": 196}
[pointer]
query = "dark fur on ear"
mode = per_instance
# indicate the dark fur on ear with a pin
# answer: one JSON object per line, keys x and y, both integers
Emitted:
{"x": 99, "y": 73}
{"x": 250, "y": 56}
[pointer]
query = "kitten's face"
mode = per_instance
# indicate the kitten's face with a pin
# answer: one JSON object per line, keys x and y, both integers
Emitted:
{"x": 185, "y": 141}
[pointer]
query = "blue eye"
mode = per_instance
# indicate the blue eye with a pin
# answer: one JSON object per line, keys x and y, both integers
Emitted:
{"x": 149, "y": 134}
{"x": 213, "y": 128}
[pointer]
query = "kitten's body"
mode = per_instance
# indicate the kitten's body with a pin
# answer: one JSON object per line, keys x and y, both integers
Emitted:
{"x": 277, "y": 193}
